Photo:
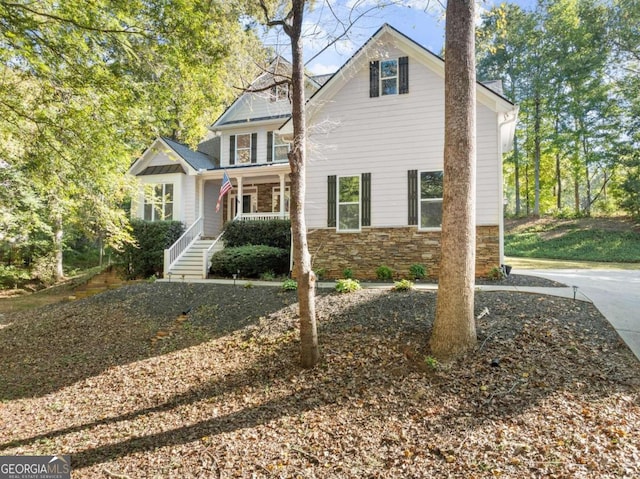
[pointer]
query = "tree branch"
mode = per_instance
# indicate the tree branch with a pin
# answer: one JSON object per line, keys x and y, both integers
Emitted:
{"x": 70, "y": 21}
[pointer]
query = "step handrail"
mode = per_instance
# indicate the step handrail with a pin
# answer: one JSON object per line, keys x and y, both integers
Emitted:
{"x": 206, "y": 254}
{"x": 182, "y": 244}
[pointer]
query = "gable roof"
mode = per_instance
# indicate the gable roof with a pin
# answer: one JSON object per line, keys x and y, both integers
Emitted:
{"x": 279, "y": 66}
{"x": 361, "y": 57}
{"x": 187, "y": 158}
{"x": 196, "y": 159}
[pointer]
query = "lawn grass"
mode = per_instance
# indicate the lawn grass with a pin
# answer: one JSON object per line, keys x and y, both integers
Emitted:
{"x": 574, "y": 240}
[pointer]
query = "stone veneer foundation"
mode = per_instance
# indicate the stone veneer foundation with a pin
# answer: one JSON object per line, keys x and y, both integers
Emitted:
{"x": 397, "y": 248}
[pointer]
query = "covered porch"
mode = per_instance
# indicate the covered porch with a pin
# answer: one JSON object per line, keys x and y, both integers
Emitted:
{"x": 258, "y": 193}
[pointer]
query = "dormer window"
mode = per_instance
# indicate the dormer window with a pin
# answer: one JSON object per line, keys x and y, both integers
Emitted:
{"x": 389, "y": 77}
{"x": 279, "y": 92}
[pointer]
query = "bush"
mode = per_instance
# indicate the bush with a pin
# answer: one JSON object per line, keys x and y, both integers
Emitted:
{"x": 403, "y": 285}
{"x": 289, "y": 285}
{"x": 250, "y": 260}
{"x": 496, "y": 274}
{"x": 347, "y": 273}
{"x": 417, "y": 271}
{"x": 347, "y": 285}
{"x": 275, "y": 233}
{"x": 320, "y": 273}
{"x": 384, "y": 273}
{"x": 146, "y": 257}
{"x": 12, "y": 277}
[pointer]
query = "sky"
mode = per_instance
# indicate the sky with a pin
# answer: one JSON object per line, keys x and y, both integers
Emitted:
{"x": 423, "y": 21}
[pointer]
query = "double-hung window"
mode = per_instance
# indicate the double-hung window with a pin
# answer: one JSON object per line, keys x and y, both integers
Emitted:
{"x": 243, "y": 148}
{"x": 158, "y": 202}
{"x": 349, "y": 203}
{"x": 277, "y": 147}
{"x": 389, "y": 77}
{"x": 430, "y": 204}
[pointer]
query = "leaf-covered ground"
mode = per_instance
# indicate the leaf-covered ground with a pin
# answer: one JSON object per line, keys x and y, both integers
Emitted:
{"x": 131, "y": 389}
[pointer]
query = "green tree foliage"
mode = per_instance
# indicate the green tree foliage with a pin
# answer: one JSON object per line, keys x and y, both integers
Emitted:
{"x": 145, "y": 256}
{"x": 568, "y": 64}
{"x": 84, "y": 86}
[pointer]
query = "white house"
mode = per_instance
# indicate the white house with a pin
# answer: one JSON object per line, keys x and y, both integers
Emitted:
{"x": 374, "y": 174}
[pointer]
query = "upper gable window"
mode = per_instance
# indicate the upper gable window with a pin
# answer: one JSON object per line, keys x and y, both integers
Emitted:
{"x": 279, "y": 92}
{"x": 389, "y": 77}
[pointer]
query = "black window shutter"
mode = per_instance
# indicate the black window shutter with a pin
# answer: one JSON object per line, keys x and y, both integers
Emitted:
{"x": 413, "y": 197}
{"x": 232, "y": 149}
{"x": 331, "y": 201}
{"x": 366, "y": 199}
{"x": 404, "y": 74}
{"x": 374, "y": 79}
{"x": 269, "y": 146}
{"x": 254, "y": 147}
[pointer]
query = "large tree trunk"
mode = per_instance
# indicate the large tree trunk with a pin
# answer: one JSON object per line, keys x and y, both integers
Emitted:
{"x": 309, "y": 352}
{"x": 536, "y": 160}
{"x": 454, "y": 331}
{"x": 516, "y": 160}
{"x": 558, "y": 173}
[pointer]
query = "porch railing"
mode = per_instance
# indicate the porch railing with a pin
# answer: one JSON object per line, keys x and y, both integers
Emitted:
{"x": 172, "y": 254}
{"x": 262, "y": 216}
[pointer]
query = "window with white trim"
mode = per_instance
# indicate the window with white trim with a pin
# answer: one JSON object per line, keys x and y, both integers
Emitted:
{"x": 389, "y": 77}
{"x": 430, "y": 204}
{"x": 280, "y": 148}
{"x": 275, "y": 199}
{"x": 279, "y": 92}
{"x": 348, "y": 203}
{"x": 243, "y": 148}
{"x": 158, "y": 202}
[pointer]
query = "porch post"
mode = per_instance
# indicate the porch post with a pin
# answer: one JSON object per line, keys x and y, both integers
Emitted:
{"x": 200, "y": 193}
{"x": 282, "y": 195}
{"x": 239, "y": 201}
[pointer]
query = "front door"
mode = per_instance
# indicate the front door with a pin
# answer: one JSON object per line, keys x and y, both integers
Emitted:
{"x": 246, "y": 203}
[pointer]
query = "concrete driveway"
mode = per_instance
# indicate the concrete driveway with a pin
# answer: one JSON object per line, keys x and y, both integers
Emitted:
{"x": 615, "y": 293}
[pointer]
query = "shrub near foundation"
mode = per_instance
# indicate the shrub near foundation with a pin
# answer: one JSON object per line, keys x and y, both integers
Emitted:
{"x": 251, "y": 261}
{"x": 275, "y": 233}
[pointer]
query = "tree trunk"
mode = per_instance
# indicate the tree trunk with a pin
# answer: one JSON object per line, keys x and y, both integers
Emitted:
{"x": 558, "y": 173}
{"x": 576, "y": 193}
{"x": 536, "y": 159}
{"x": 454, "y": 331}
{"x": 57, "y": 246}
{"x": 587, "y": 203}
{"x": 516, "y": 160}
{"x": 309, "y": 351}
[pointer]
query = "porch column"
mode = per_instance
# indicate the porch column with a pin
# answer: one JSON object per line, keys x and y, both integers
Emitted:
{"x": 282, "y": 211}
{"x": 200, "y": 193}
{"x": 239, "y": 201}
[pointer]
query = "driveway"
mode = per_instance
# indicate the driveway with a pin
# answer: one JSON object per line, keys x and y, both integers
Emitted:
{"x": 615, "y": 293}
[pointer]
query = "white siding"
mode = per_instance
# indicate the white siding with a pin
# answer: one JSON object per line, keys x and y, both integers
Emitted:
{"x": 256, "y": 105}
{"x": 188, "y": 206}
{"x": 212, "y": 220}
{"x": 161, "y": 158}
{"x": 387, "y": 136}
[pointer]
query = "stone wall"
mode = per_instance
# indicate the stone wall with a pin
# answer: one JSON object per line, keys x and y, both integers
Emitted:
{"x": 397, "y": 248}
